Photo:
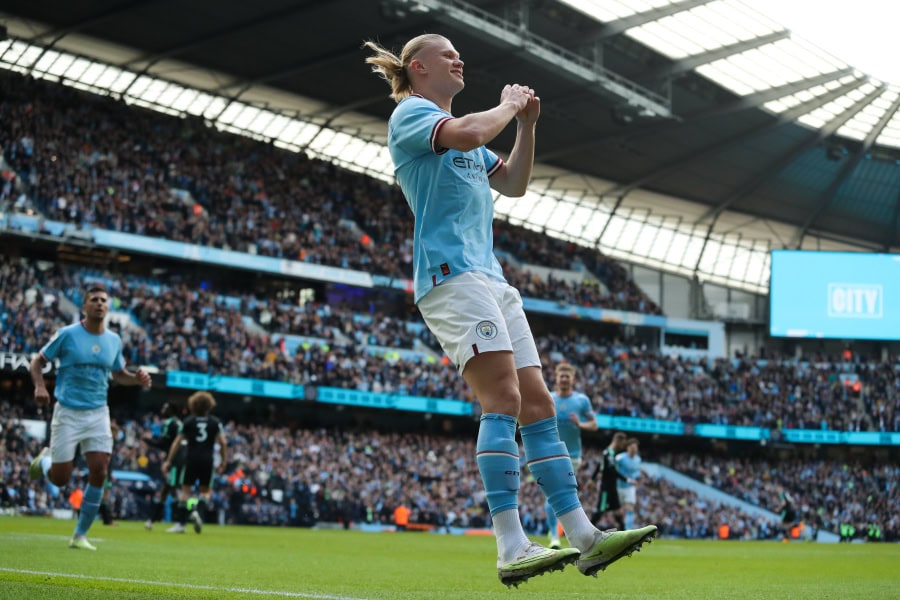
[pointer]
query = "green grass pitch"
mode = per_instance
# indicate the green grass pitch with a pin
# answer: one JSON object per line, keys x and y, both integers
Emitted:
{"x": 259, "y": 562}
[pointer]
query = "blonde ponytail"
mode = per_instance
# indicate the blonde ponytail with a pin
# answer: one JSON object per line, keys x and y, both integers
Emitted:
{"x": 393, "y": 68}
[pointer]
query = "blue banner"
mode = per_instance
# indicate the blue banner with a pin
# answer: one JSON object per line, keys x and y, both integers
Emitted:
{"x": 731, "y": 432}
{"x": 181, "y": 250}
{"x": 394, "y": 401}
{"x": 230, "y": 258}
{"x": 823, "y": 436}
{"x": 329, "y": 395}
{"x": 458, "y": 408}
{"x": 872, "y": 438}
{"x": 234, "y": 385}
{"x": 640, "y": 425}
{"x": 574, "y": 311}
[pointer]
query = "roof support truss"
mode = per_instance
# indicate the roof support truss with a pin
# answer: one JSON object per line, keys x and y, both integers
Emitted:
{"x": 705, "y": 152}
{"x": 788, "y": 157}
{"x": 738, "y": 104}
{"x": 846, "y": 170}
{"x": 690, "y": 63}
{"x": 613, "y": 28}
{"x": 891, "y": 239}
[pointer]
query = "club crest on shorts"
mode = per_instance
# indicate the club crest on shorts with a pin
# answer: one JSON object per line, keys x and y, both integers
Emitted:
{"x": 486, "y": 330}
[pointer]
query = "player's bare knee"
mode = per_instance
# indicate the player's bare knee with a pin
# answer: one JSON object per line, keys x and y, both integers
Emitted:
{"x": 506, "y": 401}
{"x": 536, "y": 406}
{"x": 538, "y": 401}
{"x": 59, "y": 475}
{"x": 511, "y": 401}
{"x": 492, "y": 377}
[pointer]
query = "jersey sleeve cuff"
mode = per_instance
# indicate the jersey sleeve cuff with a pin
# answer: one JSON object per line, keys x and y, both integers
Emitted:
{"x": 494, "y": 167}
{"x": 437, "y": 149}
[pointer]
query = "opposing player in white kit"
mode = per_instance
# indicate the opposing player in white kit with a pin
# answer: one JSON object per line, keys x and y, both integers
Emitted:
{"x": 446, "y": 174}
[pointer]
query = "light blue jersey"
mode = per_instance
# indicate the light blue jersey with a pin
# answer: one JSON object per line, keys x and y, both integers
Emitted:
{"x": 85, "y": 362}
{"x": 576, "y": 404}
{"x": 629, "y": 467}
{"x": 449, "y": 194}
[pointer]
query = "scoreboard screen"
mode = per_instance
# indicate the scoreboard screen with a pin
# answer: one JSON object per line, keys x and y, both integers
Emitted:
{"x": 844, "y": 295}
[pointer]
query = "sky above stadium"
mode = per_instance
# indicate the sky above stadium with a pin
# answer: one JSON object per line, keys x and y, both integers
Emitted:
{"x": 862, "y": 33}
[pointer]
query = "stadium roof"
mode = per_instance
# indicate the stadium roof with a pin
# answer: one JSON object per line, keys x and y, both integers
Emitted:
{"x": 692, "y": 136}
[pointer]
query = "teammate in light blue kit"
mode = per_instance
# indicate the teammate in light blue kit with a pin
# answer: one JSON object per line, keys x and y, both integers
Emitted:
{"x": 447, "y": 174}
{"x": 87, "y": 354}
{"x": 628, "y": 464}
{"x": 574, "y": 414}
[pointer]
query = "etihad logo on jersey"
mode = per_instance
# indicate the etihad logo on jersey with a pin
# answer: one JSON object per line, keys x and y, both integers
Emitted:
{"x": 855, "y": 301}
{"x": 474, "y": 170}
{"x": 464, "y": 162}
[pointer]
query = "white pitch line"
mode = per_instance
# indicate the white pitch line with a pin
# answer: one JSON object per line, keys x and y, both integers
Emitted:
{"x": 185, "y": 585}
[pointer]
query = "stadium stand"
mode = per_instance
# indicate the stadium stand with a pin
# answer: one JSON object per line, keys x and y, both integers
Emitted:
{"x": 184, "y": 328}
{"x": 94, "y": 163}
{"x": 91, "y": 162}
{"x": 278, "y": 476}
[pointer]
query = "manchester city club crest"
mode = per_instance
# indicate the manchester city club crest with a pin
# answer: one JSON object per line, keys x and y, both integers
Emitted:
{"x": 95, "y": 349}
{"x": 486, "y": 330}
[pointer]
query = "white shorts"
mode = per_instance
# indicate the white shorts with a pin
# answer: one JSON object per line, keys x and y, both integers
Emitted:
{"x": 71, "y": 427}
{"x": 627, "y": 495}
{"x": 472, "y": 313}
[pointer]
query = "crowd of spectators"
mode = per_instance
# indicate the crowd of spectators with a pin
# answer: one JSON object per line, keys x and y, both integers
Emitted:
{"x": 837, "y": 393}
{"x": 183, "y": 327}
{"x": 94, "y": 162}
{"x": 826, "y": 493}
{"x": 531, "y": 247}
{"x": 88, "y": 160}
{"x": 298, "y": 477}
{"x": 30, "y": 309}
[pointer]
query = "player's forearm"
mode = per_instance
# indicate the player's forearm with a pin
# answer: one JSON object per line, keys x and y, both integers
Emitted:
{"x": 125, "y": 378}
{"x": 520, "y": 163}
{"x": 36, "y": 369}
{"x": 477, "y": 129}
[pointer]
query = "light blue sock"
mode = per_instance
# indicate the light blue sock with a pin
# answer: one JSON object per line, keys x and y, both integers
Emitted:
{"x": 629, "y": 519}
{"x": 552, "y": 521}
{"x": 497, "y": 455}
{"x": 46, "y": 462}
{"x": 90, "y": 504}
{"x": 549, "y": 462}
